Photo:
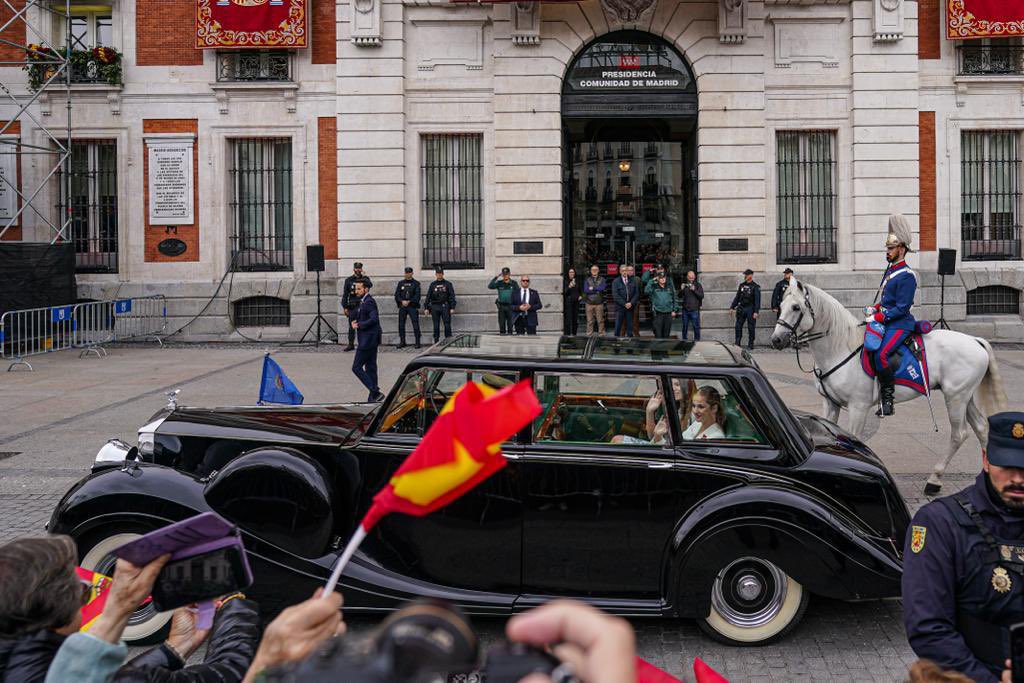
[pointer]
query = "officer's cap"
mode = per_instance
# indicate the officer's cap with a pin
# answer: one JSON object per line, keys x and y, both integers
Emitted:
{"x": 787, "y": 270}
{"x": 408, "y": 269}
{"x": 438, "y": 269}
{"x": 748, "y": 271}
{"x": 1006, "y": 440}
{"x": 505, "y": 270}
{"x": 357, "y": 264}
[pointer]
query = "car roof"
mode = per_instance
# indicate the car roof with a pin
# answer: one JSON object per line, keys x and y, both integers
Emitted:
{"x": 642, "y": 350}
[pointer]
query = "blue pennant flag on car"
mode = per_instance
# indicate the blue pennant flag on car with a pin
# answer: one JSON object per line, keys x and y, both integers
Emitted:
{"x": 275, "y": 387}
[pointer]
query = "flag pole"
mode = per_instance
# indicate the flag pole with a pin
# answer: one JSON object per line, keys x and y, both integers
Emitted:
{"x": 339, "y": 566}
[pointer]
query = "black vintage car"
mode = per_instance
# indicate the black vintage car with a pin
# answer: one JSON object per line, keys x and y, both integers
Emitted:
{"x": 596, "y": 503}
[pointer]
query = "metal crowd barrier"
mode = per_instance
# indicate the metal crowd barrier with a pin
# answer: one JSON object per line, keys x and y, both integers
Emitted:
{"x": 86, "y": 326}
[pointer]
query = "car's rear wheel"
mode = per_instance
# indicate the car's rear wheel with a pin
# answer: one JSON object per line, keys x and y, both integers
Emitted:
{"x": 146, "y": 625}
{"x": 753, "y": 602}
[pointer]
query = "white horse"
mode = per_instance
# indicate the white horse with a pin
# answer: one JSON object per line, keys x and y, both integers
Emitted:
{"x": 962, "y": 366}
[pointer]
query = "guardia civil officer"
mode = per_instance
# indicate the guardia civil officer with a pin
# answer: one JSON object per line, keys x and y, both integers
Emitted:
{"x": 745, "y": 306}
{"x": 350, "y": 300}
{"x": 504, "y": 285}
{"x": 407, "y": 297}
{"x": 779, "y": 293}
{"x": 441, "y": 299}
{"x": 963, "y": 563}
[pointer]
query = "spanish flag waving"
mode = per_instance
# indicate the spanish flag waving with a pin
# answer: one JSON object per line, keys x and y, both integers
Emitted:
{"x": 460, "y": 450}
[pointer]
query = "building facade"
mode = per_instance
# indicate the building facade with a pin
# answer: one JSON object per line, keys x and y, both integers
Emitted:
{"x": 714, "y": 135}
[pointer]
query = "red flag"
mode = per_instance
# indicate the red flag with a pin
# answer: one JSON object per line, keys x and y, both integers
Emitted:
{"x": 100, "y": 587}
{"x": 648, "y": 673}
{"x": 250, "y": 23}
{"x": 705, "y": 674}
{"x": 460, "y": 450}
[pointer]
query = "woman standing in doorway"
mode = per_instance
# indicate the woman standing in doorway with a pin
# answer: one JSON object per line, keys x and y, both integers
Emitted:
{"x": 572, "y": 295}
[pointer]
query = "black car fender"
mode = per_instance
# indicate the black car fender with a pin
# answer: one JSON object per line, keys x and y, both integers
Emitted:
{"x": 822, "y": 549}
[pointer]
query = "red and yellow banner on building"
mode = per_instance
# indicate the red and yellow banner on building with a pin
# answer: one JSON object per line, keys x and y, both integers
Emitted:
{"x": 984, "y": 19}
{"x": 250, "y": 23}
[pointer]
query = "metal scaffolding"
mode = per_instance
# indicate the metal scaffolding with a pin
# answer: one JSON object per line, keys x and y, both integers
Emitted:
{"x": 55, "y": 149}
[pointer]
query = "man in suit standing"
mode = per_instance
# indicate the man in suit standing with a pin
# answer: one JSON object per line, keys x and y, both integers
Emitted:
{"x": 407, "y": 296}
{"x": 366, "y": 324}
{"x": 626, "y": 296}
{"x": 350, "y": 301}
{"x": 526, "y": 303}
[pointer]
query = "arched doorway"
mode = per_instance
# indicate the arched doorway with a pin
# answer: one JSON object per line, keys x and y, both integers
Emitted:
{"x": 629, "y": 115}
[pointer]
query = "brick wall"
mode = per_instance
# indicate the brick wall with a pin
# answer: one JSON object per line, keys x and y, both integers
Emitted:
{"x": 165, "y": 33}
{"x": 327, "y": 181}
{"x": 324, "y": 31}
{"x": 926, "y": 172}
{"x": 929, "y": 28}
{"x": 14, "y": 33}
{"x": 14, "y": 233}
{"x": 189, "y": 234}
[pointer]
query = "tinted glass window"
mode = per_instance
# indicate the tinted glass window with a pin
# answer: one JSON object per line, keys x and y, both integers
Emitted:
{"x": 623, "y": 410}
{"x": 402, "y": 416}
{"x": 711, "y": 410}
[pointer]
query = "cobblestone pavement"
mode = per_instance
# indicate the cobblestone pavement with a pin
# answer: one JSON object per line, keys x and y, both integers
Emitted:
{"x": 56, "y": 418}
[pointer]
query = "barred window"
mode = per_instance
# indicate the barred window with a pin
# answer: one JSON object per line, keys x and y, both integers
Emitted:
{"x": 262, "y": 311}
{"x": 453, "y": 235}
{"x": 990, "y": 195}
{"x": 261, "y": 204}
{"x": 993, "y": 300}
{"x": 92, "y": 204}
{"x": 806, "y": 165}
{"x": 990, "y": 56}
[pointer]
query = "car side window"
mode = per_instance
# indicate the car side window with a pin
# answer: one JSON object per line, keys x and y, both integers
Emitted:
{"x": 402, "y": 416}
{"x": 626, "y": 410}
{"x": 442, "y": 383}
{"x": 712, "y": 410}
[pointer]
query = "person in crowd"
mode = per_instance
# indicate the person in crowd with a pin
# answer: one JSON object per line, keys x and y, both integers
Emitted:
{"x": 692, "y": 294}
{"x": 441, "y": 299}
{"x": 593, "y": 300}
{"x": 654, "y": 273}
{"x": 963, "y": 563}
{"x": 636, "y": 307}
{"x": 297, "y": 632}
{"x": 503, "y": 283}
{"x": 350, "y": 300}
{"x": 572, "y": 294}
{"x": 526, "y": 302}
{"x": 663, "y": 304}
{"x": 779, "y": 293}
{"x": 407, "y": 298}
{"x": 708, "y": 416}
{"x": 367, "y": 326}
{"x": 626, "y": 297}
{"x": 745, "y": 306}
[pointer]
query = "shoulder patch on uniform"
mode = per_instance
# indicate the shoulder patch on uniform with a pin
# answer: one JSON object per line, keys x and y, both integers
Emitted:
{"x": 917, "y": 534}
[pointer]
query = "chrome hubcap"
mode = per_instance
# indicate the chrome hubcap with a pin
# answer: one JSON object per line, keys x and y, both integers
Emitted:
{"x": 749, "y": 592}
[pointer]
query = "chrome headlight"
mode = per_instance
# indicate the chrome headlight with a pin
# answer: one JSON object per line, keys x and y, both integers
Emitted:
{"x": 147, "y": 444}
{"x": 114, "y": 452}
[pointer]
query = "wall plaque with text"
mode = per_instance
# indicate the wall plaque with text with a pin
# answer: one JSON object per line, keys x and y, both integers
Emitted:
{"x": 732, "y": 244}
{"x": 527, "y": 247}
{"x": 171, "y": 181}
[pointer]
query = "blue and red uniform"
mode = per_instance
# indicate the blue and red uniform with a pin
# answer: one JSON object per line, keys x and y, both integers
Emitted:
{"x": 899, "y": 284}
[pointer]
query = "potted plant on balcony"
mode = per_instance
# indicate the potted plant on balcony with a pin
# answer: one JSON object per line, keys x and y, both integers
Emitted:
{"x": 96, "y": 65}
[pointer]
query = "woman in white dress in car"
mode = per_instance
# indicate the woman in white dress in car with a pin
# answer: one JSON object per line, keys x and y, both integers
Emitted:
{"x": 707, "y": 413}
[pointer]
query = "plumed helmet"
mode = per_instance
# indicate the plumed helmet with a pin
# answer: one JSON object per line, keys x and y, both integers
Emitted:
{"x": 899, "y": 232}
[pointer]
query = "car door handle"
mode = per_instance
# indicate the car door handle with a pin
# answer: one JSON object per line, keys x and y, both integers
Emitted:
{"x": 512, "y": 456}
{"x": 659, "y": 465}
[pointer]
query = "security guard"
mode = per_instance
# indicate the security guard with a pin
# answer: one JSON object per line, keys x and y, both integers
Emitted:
{"x": 963, "y": 564}
{"x": 503, "y": 283}
{"x": 441, "y": 299}
{"x": 350, "y": 300}
{"x": 745, "y": 306}
{"x": 779, "y": 293}
{"x": 407, "y": 297}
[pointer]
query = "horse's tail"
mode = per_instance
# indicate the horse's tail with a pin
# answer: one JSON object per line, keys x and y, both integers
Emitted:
{"x": 991, "y": 394}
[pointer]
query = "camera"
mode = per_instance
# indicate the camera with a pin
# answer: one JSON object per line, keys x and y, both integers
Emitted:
{"x": 426, "y": 641}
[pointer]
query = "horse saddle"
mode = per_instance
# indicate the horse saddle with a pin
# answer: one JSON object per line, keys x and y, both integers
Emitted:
{"x": 910, "y": 359}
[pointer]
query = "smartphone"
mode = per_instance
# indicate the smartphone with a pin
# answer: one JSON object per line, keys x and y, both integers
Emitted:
{"x": 202, "y": 573}
{"x": 188, "y": 533}
{"x": 1017, "y": 652}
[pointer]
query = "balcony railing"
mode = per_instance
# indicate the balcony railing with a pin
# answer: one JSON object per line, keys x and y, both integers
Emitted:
{"x": 990, "y": 60}
{"x": 252, "y": 66}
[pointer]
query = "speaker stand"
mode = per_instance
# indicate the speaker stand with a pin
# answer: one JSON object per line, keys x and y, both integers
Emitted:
{"x": 941, "y": 322}
{"x": 318, "y": 321}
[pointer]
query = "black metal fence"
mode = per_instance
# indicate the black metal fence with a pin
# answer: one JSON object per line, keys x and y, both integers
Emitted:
{"x": 993, "y": 59}
{"x": 452, "y": 170}
{"x": 261, "y": 204}
{"x": 262, "y": 311}
{"x": 92, "y": 204}
{"x": 258, "y": 65}
{"x": 806, "y": 174}
{"x": 993, "y": 300}
{"x": 990, "y": 195}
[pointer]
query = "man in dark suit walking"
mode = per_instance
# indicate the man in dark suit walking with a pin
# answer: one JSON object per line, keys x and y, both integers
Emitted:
{"x": 626, "y": 296}
{"x": 525, "y": 303}
{"x": 366, "y": 323}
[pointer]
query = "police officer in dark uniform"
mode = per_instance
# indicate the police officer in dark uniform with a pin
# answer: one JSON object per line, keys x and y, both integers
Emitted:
{"x": 745, "y": 306}
{"x": 441, "y": 299}
{"x": 407, "y": 297}
{"x": 963, "y": 564}
{"x": 350, "y": 301}
{"x": 779, "y": 293}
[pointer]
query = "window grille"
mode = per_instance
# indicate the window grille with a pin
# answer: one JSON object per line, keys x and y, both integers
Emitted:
{"x": 262, "y": 311}
{"x": 993, "y": 300}
{"x": 990, "y": 195}
{"x": 806, "y": 166}
{"x": 991, "y": 57}
{"x": 254, "y": 65}
{"x": 261, "y": 204}
{"x": 92, "y": 204}
{"x": 453, "y": 234}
